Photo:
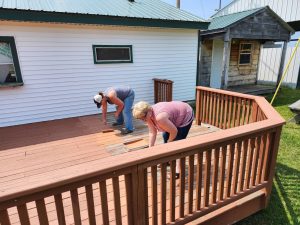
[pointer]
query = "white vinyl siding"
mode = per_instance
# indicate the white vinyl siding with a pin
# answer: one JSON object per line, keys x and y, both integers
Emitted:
{"x": 288, "y": 10}
{"x": 60, "y": 77}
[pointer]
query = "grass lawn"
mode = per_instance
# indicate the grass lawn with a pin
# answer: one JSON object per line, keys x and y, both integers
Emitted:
{"x": 284, "y": 206}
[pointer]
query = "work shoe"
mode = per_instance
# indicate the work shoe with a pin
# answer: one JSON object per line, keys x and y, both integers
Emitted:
{"x": 116, "y": 124}
{"x": 126, "y": 131}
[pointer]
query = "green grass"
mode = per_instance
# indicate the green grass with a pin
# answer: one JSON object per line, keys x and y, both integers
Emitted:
{"x": 284, "y": 205}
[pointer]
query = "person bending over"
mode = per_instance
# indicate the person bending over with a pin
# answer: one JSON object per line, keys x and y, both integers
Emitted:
{"x": 123, "y": 98}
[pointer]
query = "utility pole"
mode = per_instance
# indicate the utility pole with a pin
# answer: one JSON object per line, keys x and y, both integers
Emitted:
{"x": 178, "y": 4}
{"x": 220, "y": 4}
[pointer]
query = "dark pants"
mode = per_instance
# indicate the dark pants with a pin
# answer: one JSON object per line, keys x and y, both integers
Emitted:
{"x": 182, "y": 133}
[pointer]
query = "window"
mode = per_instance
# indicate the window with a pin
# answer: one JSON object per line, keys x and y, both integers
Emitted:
{"x": 245, "y": 54}
{"x": 10, "y": 74}
{"x": 112, "y": 54}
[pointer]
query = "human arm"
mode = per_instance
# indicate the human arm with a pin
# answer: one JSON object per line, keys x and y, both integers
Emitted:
{"x": 152, "y": 132}
{"x": 118, "y": 102}
{"x": 104, "y": 111}
{"x": 164, "y": 122}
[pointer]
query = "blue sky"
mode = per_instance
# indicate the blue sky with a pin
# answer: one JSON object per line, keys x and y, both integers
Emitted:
{"x": 202, "y": 8}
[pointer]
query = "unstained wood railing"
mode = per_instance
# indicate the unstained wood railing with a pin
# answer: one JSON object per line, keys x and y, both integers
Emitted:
{"x": 218, "y": 171}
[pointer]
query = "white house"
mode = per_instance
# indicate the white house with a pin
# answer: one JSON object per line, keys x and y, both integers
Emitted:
{"x": 55, "y": 55}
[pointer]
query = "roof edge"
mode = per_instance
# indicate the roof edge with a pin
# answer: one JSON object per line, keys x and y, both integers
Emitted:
{"x": 55, "y": 17}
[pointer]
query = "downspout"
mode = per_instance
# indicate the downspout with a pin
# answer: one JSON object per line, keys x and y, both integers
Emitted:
{"x": 178, "y": 4}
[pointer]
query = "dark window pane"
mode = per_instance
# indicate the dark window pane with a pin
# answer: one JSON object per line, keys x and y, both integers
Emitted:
{"x": 245, "y": 58}
{"x": 112, "y": 54}
{"x": 7, "y": 69}
{"x": 246, "y": 47}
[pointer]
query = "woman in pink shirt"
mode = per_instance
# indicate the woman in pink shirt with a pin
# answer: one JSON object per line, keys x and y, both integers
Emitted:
{"x": 174, "y": 119}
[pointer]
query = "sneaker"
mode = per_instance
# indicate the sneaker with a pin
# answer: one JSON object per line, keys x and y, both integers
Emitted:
{"x": 116, "y": 124}
{"x": 126, "y": 131}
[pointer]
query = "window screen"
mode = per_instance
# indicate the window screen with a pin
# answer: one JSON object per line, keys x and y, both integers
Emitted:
{"x": 112, "y": 54}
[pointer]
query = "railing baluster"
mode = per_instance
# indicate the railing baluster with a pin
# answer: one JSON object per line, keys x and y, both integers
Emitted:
{"x": 163, "y": 187}
{"x": 214, "y": 109}
{"x": 230, "y": 168}
{"x": 229, "y": 125}
{"x": 60, "y": 209}
{"x": 234, "y": 112}
{"x": 143, "y": 206}
{"x": 90, "y": 204}
{"x": 117, "y": 203}
{"x": 104, "y": 203}
{"x": 207, "y": 177}
{"x": 261, "y": 158}
{"x": 4, "y": 218}
{"x": 129, "y": 198}
{"x": 204, "y": 107}
{"x": 75, "y": 207}
{"x": 249, "y": 162}
{"x": 218, "y": 110}
{"x": 154, "y": 194}
{"x": 224, "y": 125}
{"x": 210, "y": 107}
{"x": 191, "y": 183}
{"x": 243, "y": 111}
{"x": 266, "y": 157}
{"x": 172, "y": 190}
{"x": 182, "y": 187}
{"x": 23, "y": 214}
{"x": 243, "y": 167}
{"x": 199, "y": 180}
{"x": 255, "y": 160}
{"x": 236, "y": 167}
{"x": 42, "y": 212}
{"x": 215, "y": 175}
{"x": 238, "y": 114}
{"x": 248, "y": 105}
{"x": 198, "y": 107}
{"x": 222, "y": 172}
{"x": 222, "y": 111}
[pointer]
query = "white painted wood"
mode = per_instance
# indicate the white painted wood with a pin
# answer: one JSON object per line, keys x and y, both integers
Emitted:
{"x": 216, "y": 65}
{"x": 60, "y": 77}
{"x": 269, "y": 66}
{"x": 288, "y": 10}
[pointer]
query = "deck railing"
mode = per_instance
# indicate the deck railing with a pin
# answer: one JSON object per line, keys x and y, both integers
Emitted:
{"x": 224, "y": 176}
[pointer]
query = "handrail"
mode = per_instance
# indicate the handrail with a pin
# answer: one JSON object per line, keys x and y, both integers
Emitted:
{"x": 134, "y": 162}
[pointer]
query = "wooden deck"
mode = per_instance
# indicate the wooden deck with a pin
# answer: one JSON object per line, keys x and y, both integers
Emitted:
{"x": 45, "y": 153}
{"x": 253, "y": 89}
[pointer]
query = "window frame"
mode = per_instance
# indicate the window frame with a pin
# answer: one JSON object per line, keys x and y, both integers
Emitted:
{"x": 12, "y": 44}
{"x": 241, "y": 52}
{"x": 112, "y": 61}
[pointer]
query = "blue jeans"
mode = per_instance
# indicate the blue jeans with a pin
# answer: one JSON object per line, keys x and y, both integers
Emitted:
{"x": 182, "y": 133}
{"x": 126, "y": 115}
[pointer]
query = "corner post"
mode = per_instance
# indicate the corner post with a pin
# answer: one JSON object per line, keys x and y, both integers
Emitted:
{"x": 226, "y": 59}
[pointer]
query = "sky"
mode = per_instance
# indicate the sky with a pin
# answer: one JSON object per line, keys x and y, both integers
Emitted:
{"x": 201, "y": 8}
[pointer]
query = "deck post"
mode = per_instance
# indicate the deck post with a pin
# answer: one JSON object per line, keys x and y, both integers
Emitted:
{"x": 226, "y": 58}
{"x": 270, "y": 170}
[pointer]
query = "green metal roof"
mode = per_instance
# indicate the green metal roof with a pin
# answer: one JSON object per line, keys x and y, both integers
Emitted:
{"x": 138, "y": 9}
{"x": 227, "y": 20}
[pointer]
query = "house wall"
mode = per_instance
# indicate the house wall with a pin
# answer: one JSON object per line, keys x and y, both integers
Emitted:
{"x": 289, "y": 10}
{"x": 60, "y": 77}
{"x": 243, "y": 74}
{"x": 205, "y": 63}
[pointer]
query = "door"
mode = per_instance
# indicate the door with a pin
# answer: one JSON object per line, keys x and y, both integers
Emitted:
{"x": 217, "y": 64}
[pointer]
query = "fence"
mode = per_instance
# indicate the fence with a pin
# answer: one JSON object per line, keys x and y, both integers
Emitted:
{"x": 234, "y": 165}
{"x": 269, "y": 66}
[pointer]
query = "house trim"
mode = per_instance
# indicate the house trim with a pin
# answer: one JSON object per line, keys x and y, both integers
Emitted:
{"x": 57, "y": 17}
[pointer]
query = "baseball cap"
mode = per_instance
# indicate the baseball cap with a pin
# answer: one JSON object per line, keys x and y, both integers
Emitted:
{"x": 97, "y": 100}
